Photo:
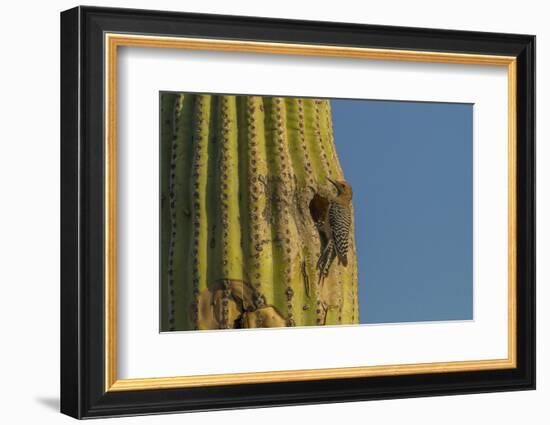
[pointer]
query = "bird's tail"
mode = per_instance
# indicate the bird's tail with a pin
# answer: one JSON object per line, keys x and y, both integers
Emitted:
{"x": 325, "y": 260}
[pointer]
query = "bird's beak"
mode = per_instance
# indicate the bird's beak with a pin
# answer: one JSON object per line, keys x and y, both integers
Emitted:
{"x": 336, "y": 185}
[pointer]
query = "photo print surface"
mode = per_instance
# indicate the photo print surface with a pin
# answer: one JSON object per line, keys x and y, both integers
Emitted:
{"x": 286, "y": 211}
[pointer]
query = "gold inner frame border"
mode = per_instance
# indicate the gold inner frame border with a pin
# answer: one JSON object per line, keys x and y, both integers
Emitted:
{"x": 113, "y": 40}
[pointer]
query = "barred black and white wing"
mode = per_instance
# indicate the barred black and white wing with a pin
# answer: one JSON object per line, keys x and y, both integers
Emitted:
{"x": 340, "y": 223}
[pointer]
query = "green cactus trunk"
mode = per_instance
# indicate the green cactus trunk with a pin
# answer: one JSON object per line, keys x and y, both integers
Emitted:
{"x": 239, "y": 246}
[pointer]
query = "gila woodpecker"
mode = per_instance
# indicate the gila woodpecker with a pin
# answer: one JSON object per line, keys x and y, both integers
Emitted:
{"x": 335, "y": 228}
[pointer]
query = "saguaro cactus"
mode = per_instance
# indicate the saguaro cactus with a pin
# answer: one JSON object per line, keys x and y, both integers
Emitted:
{"x": 239, "y": 246}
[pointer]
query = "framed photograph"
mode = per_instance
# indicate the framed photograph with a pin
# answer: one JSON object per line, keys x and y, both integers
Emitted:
{"x": 261, "y": 212}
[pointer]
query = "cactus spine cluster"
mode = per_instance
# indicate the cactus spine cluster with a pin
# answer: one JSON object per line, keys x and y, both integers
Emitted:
{"x": 238, "y": 243}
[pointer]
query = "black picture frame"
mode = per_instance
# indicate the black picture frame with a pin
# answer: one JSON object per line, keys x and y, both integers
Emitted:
{"x": 83, "y": 392}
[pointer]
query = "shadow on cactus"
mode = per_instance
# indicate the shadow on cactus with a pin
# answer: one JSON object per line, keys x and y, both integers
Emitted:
{"x": 256, "y": 215}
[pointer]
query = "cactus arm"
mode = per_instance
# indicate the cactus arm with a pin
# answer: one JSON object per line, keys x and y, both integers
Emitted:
{"x": 243, "y": 171}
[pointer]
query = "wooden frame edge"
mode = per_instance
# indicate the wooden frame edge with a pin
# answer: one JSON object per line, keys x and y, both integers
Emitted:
{"x": 306, "y": 375}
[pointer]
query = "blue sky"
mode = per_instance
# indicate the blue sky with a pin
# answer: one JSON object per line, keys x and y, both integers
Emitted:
{"x": 411, "y": 168}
